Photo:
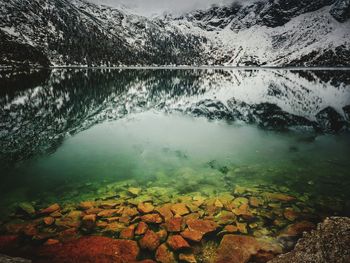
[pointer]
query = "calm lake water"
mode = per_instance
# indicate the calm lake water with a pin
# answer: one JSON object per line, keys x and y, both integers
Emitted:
{"x": 70, "y": 135}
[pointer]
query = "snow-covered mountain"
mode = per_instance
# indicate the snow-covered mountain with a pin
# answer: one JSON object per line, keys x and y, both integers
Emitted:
{"x": 261, "y": 32}
{"x": 275, "y": 33}
{"x": 64, "y": 32}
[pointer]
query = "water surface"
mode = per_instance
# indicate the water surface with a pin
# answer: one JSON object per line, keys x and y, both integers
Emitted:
{"x": 71, "y": 135}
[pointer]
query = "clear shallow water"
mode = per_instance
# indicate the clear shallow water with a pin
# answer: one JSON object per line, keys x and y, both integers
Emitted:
{"x": 70, "y": 135}
{"x": 184, "y": 154}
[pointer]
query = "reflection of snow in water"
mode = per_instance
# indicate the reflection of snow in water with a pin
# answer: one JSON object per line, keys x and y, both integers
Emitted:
{"x": 66, "y": 105}
{"x": 288, "y": 90}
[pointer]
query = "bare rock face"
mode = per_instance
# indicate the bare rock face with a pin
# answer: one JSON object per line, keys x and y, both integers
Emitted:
{"x": 330, "y": 243}
{"x": 341, "y": 10}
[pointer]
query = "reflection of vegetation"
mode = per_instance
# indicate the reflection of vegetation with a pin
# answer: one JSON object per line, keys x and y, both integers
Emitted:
{"x": 69, "y": 101}
{"x": 14, "y": 81}
{"x": 336, "y": 78}
{"x": 38, "y": 109}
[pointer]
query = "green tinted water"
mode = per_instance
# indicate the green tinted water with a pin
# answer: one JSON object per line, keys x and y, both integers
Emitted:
{"x": 161, "y": 146}
{"x": 184, "y": 154}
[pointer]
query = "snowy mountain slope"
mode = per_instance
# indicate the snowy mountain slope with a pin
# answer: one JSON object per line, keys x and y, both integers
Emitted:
{"x": 80, "y": 33}
{"x": 245, "y": 14}
{"x": 247, "y": 37}
{"x": 272, "y": 32}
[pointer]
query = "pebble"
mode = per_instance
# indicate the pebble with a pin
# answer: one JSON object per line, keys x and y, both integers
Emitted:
{"x": 145, "y": 208}
{"x": 177, "y": 242}
{"x": 150, "y": 241}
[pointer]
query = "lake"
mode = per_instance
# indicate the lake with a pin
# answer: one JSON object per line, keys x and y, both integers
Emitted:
{"x": 263, "y": 147}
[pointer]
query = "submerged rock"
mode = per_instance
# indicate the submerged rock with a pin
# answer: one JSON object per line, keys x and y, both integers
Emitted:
{"x": 244, "y": 249}
{"x": 50, "y": 209}
{"x": 242, "y": 227}
{"x": 240, "y": 201}
{"x": 49, "y": 220}
{"x": 90, "y": 249}
{"x": 128, "y": 211}
{"x": 255, "y": 202}
{"x": 152, "y": 218}
{"x": 57, "y": 214}
{"x": 188, "y": 258}
{"x": 290, "y": 214}
{"x": 180, "y": 209}
{"x": 27, "y": 208}
{"x": 86, "y": 205}
{"x": 150, "y": 241}
{"x": 108, "y": 204}
{"x": 164, "y": 255}
{"x": 112, "y": 219}
{"x": 128, "y": 233}
{"x": 108, "y": 213}
{"x": 330, "y": 243}
{"x": 114, "y": 227}
{"x": 174, "y": 224}
{"x": 297, "y": 229}
{"x": 203, "y": 226}
{"x": 51, "y": 241}
{"x": 145, "y": 207}
{"x": 192, "y": 235}
{"x": 141, "y": 228}
{"x": 177, "y": 242}
{"x": 134, "y": 191}
{"x": 243, "y": 210}
{"x": 163, "y": 234}
{"x": 165, "y": 211}
{"x": 225, "y": 218}
{"x": 231, "y": 228}
{"x": 237, "y": 249}
{"x": 72, "y": 220}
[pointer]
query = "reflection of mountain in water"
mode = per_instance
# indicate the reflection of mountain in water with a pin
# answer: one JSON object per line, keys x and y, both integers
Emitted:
{"x": 39, "y": 109}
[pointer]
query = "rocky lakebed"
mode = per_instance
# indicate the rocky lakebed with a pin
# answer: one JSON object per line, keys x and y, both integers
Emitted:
{"x": 151, "y": 224}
